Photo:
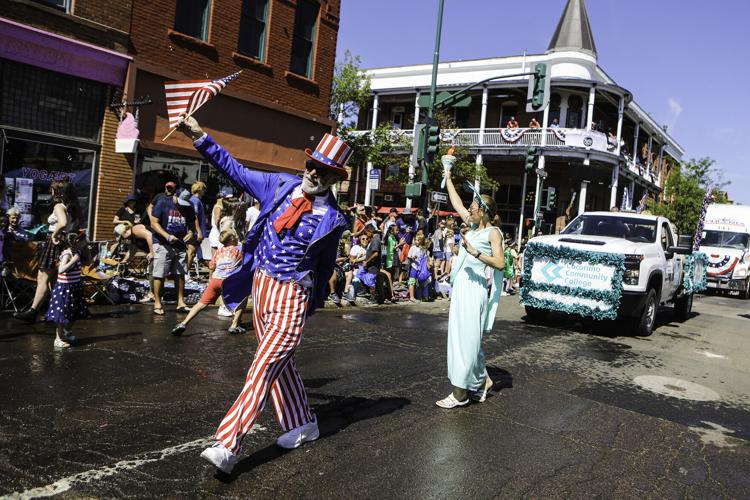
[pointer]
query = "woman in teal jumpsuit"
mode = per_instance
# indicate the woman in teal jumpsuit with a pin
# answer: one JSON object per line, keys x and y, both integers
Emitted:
{"x": 476, "y": 279}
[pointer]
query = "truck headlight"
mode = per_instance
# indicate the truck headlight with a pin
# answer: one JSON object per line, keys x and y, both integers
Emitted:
{"x": 632, "y": 269}
{"x": 740, "y": 273}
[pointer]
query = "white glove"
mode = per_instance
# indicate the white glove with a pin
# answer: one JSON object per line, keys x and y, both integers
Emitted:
{"x": 449, "y": 161}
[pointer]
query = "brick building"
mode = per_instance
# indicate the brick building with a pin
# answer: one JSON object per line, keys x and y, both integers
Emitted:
{"x": 62, "y": 63}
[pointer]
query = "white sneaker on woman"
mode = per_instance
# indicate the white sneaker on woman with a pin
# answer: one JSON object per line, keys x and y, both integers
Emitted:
{"x": 225, "y": 312}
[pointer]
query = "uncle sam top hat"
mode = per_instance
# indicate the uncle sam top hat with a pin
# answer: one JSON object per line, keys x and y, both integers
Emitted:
{"x": 331, "y": 153}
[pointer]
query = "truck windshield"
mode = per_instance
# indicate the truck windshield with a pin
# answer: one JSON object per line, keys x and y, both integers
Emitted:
{"x": 629, "y": 228}
{"x": 725, "y": 239}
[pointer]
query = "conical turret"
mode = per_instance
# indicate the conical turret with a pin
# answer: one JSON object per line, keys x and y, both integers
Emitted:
{"x": 573, "y": 31}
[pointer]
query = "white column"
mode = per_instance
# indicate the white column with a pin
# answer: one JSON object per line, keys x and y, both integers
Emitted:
{"x": 635, "y": 140}
{"x": 632, "y": 194}
{"x": 620, "y": 115}
{"x": 375, "y": 109}
{"x": 482, "y": 126}
{"x": 590, "y": 114}
{"x": 582, "y": 197}
{"x": 563, "y": 110}
{"x": 615, "y": 184}
{"x": 648, "y": 155}
{"x": 412, "y": 167}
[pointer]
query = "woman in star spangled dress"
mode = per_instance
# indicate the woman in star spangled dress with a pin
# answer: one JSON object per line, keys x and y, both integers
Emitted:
{"x": 67, "y": 303}
{"x": 476, "y": 280}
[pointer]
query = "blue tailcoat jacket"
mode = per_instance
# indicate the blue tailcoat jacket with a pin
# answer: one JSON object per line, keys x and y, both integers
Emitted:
{"x": 271, "y": 190}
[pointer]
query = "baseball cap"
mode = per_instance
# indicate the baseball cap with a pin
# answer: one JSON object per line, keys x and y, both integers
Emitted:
{"x": 226, "y": 192}
{"x": 129, "y": 198}
{"x": 184, "y": 198}
{"x": 170, "y": 184}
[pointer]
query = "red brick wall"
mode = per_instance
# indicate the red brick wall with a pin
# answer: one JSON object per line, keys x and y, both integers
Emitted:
{"x": 269, "y": 81}
{"x": 89, "y": 22}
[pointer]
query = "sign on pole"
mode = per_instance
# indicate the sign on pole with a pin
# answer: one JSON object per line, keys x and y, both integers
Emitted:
{"x": 374, "y": 179}
{"x": 438, "y": 197}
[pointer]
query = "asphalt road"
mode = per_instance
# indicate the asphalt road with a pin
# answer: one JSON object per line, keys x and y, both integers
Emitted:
{"x": 580, "y": 410}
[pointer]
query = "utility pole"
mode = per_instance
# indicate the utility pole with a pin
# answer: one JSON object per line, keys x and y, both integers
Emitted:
{"x": 436, "y": 59}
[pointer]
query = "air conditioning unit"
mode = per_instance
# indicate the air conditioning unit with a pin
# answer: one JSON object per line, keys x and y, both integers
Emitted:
{"x": 387, "y": 197}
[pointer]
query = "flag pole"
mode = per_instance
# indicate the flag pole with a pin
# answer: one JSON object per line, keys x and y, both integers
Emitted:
{"x": 175, "y": 128}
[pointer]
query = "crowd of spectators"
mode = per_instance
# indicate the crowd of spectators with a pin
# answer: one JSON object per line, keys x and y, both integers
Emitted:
{"x": 398, "y": 255}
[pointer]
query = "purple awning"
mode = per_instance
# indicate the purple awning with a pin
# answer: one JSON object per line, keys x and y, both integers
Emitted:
{"x": 36, "y": 47}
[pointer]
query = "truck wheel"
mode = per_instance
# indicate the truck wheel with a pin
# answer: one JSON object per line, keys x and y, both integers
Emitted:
{"x": 745, "y": 294}
{"x": 644, "y": 324}
{"x": 683, "y": 306}
{"x": 535, "y": 314}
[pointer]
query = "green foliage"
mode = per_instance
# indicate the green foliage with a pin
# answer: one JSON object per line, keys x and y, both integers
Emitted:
{"x": 384, "y": 147}
{"x": 684, "y": 191}
{"x": 351, "y": 88}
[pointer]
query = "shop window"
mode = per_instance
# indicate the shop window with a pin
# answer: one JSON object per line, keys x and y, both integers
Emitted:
{"x": 45, "y": 101}
{"x": 303, "y": 44}
{"x": 156, "y": 169}
{"x": 63, "y": 5}
{"x": 253, "y": 22}
{"x": 192, "y": 18}
{"x": 30, "y": 167}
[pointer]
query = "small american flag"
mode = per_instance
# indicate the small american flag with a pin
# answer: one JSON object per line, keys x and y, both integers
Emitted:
{"x": 187, "y": 96}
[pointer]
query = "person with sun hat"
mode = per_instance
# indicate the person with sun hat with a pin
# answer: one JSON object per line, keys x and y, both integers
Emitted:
{"x": 289, "y": 254}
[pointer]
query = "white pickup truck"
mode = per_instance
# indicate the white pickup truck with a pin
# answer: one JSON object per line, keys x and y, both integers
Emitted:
{"x": 580, "y": 271}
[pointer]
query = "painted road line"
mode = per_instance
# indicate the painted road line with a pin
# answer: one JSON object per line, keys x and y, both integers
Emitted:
{"x": 66, "y": 483}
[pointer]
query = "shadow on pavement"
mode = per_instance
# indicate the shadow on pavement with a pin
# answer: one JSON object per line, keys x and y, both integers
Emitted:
{"x": 81, "y": 341}
{"x": 333, "y": 417}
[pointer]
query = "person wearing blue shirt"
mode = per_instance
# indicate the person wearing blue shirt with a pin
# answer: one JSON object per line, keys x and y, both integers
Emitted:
{"x": 289, "y": 254}
{"x": 173, "y": 223}
{"x": 198, "y": 190}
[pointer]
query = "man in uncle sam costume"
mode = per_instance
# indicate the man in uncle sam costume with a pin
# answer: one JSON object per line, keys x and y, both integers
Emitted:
{"x": 289, "y": 255}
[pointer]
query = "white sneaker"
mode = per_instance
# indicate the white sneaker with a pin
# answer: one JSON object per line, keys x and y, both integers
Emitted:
{"x": 220, "y": 457}
{"x": 299, "y": 435}
{"x": 225, "y": 312}
{"x": 61, "y": 344}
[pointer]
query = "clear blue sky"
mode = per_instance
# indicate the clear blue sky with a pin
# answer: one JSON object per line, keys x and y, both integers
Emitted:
{"x": 676, "y": 56}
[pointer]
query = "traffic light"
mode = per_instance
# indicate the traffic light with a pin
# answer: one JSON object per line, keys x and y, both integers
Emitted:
{"x": 539, "y": 89}
{"x": 433, "y": 140}
{"x": 530, "y": 159}
{"x": 551, "y": 197}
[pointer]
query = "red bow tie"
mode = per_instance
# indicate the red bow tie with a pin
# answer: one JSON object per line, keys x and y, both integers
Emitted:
{"x": 291, "y": 215}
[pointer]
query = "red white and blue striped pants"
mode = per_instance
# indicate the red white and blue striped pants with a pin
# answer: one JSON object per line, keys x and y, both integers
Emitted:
{"x": 278, "y": 315}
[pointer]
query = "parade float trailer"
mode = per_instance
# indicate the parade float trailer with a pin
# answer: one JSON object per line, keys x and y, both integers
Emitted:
{"x": 609, "y": 265}
{"x": 725, "y": 241}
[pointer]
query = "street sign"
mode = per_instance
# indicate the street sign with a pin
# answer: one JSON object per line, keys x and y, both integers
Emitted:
{"x": 375, "y": 179}
{"x": 462, "y": 102}
{"x": 438, "y": 197}
{"x": 414, "y": 190}
{"x": 541, "y": 173}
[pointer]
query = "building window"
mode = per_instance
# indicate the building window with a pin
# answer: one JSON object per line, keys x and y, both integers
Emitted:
{"x": 63, "y": 5}
{"x": 191, "y": 18}
{"x": 575, "y": 112}
{"x": 253, "y": 22}
{"x": 30, "y": 167}
{"x": 303, "y": 45}
{"x": 45, "y": 101}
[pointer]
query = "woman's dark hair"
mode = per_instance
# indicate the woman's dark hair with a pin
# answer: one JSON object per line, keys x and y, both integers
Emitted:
{"x": 487, "y": 199}
{"x": 65, "y": 192}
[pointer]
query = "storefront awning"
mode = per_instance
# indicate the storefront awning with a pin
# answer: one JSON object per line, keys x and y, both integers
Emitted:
{"x": 28, "y": 45}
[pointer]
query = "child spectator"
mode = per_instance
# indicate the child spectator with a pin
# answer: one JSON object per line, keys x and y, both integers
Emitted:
{"x": 67, "y": 303}
{"x": 225, "y": 260}
{"x": 419, "y": 272}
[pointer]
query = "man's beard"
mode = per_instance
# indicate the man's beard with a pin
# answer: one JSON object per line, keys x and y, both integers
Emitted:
{"x": 311, "y": 189}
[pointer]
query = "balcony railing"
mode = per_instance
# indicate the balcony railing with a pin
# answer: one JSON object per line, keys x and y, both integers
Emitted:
{"x": 506, "y": 138}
